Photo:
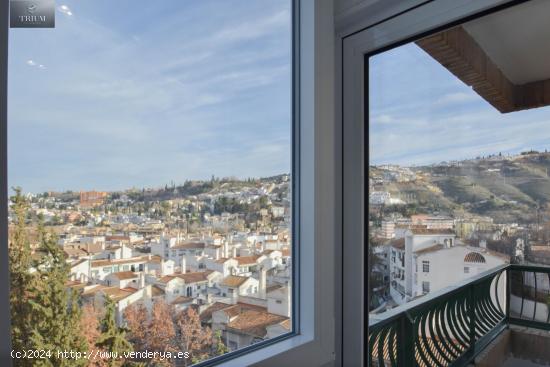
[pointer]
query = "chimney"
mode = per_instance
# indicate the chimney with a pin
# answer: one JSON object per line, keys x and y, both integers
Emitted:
{"x": 262, "y": 285}
{"x": 183, "y": 265}
{"x": 141, "y": 280}
{"x": 82, "y": 277}
{"x": 226, "y": 249}
{"x": 234, "y": 252}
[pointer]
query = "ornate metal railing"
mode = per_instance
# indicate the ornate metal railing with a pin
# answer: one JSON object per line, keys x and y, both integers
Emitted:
{"x": 450, "y": 327}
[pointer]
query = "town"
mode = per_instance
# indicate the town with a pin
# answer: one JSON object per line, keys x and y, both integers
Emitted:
{"x": 434, "y": 226}
{"x": 221, "y": 247}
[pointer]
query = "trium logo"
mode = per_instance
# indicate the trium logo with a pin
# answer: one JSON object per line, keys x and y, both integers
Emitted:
{"x": 32, "y": 14}
{"x": 31, "y": 8}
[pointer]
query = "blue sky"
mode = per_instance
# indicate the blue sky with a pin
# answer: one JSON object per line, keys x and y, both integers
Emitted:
{"x": 132, "y": 93}
{"x": 420, "y": 114}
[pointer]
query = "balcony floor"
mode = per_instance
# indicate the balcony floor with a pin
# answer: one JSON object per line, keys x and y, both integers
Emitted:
{"x": 516, "y": 362}
{"x": 517, "y": 347}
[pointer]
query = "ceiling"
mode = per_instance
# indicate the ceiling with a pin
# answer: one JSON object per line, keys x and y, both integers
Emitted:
{"x": 517, "y": 40}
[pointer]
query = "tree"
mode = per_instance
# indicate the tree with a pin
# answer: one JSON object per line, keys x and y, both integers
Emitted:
{"x": 219, "y": 347}
{"x": 137, "y": 317}
{"x": 161, "y": 331}
{"x": 21, "y": 279}
{"x": 89, "y": 323}
{"x": 55, "y": 311}
{"x": 193, "y": 338}
{"x": 113, "y": 338}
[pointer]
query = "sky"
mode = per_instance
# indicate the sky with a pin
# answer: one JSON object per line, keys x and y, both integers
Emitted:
{"x": 135, "y": 93}
{"x": 420, "y": 113}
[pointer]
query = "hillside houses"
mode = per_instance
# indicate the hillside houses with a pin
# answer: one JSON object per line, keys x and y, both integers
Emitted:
{"x": 185, "y": 272}
{"x": 181, "y": 247}
{"x": 244, "y": 323}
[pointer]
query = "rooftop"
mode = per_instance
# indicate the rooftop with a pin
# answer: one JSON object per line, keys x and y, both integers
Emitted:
{"x": 234, "y": 281}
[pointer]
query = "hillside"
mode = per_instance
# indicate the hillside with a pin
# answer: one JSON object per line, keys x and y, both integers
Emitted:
{"x": 508, "y": 189}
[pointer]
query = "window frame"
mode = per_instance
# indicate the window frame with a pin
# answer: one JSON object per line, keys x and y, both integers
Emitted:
{"x": 313, "y": 339}
{"x": 425, "y": 266}
{"x": 364, "y": 32}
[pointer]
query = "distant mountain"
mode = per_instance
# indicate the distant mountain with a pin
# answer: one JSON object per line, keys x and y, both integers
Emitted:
{"x": 508, "y": 189}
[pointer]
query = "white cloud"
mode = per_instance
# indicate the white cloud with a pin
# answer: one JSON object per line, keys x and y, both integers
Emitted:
{"x": 382, "y": 119}
{"x": 139, "y": 118}
{"x": 458, "y": 97}
{"x": 33, "y": 63}
{"x": 65, "y": 10}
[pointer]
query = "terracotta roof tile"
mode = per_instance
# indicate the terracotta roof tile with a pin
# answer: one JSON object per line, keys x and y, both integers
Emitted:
{"x": 247, "y": 260}
{"x": 254, "y": 322}
{"x": 233, "y": 281}
{"x": 124, "y": 275}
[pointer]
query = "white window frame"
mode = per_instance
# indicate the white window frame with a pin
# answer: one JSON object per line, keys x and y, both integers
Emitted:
{"x": 366, "y": 27}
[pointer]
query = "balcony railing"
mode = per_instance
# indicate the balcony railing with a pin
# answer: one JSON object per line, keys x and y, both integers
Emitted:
{"x": 450, "y": 327}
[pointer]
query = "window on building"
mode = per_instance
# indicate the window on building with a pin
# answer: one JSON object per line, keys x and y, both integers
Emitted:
{"x": 466, "y": 270}
{"x": 425, "y": 266}
{"x": 425, "y": 287}
{"x": 154, "y": 118}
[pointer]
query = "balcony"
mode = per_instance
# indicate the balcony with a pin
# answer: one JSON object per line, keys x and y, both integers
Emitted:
{"x": 502, "y": 314}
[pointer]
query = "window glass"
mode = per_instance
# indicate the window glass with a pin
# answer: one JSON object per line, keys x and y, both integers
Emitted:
{"x": 426, "y": 266}
{"x": 459, "y": 159}
{"x": 150, "y": 142}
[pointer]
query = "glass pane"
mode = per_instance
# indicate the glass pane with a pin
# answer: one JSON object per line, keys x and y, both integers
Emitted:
{"x": 150, "y": 160}
{"x": 458, "y": 150}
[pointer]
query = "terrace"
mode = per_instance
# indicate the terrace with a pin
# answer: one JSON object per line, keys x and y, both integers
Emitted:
{"x": 500, "y": 317}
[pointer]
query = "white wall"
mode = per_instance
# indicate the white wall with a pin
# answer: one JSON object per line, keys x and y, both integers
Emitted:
{"x": 447, "y": 268}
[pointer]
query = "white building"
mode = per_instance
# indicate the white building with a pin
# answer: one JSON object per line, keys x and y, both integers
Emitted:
{"x": 428, "y": 260}
{"x": 379, "y": 197}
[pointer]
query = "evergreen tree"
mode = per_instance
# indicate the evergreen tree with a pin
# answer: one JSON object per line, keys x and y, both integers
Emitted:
{"x": 55, "y": 310}
{"x": 219, "y": 347}
{"x": 113, "y": 338}
{"x": 21, "y": 279}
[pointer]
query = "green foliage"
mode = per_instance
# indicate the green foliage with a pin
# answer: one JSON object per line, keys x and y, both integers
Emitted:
{"x": 44, "y": 315}
{"x": 230, "y": 205}
{"x": 219, "y": 347}
{"x": 21, "y": 280}
{"x": 112, "y": 338}
{"x": 55, "y": 311}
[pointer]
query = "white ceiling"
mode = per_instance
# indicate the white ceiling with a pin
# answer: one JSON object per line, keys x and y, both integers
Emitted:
{"x": 517, "y": 40}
